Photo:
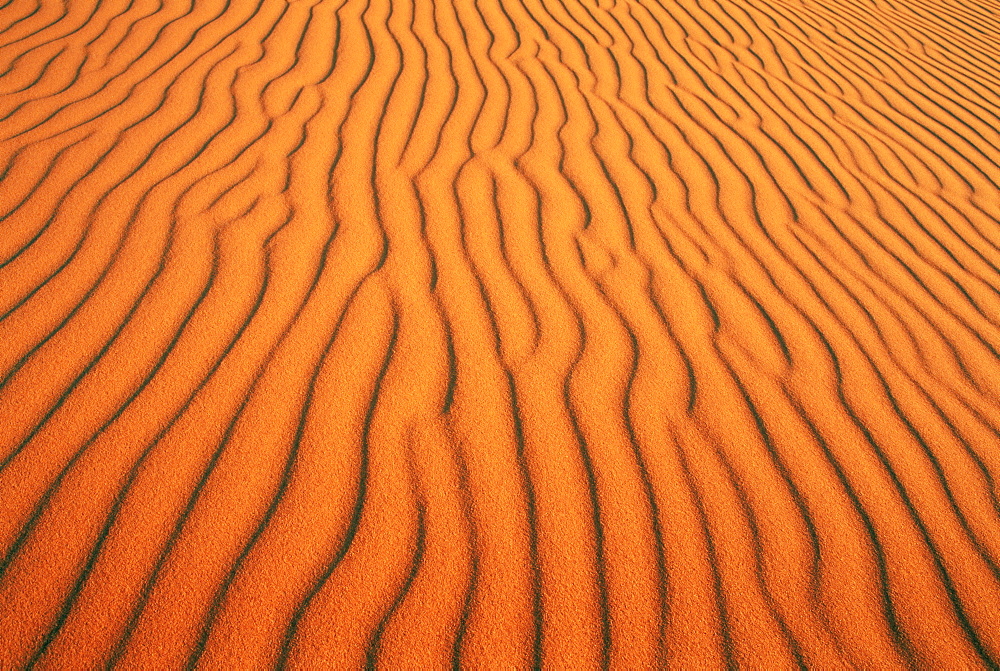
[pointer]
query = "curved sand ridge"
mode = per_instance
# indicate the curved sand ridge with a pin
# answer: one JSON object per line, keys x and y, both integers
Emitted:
{"x": 499, "y": 332}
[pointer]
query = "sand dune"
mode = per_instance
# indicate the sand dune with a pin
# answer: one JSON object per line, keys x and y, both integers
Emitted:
{"x": 499, "y": 333}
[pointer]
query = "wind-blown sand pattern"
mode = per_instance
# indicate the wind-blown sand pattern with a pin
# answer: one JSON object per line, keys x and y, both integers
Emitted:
{"x": 499, "y": 333}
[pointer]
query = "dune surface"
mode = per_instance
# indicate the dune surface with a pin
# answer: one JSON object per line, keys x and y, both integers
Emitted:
{"x": 499, "y": 333}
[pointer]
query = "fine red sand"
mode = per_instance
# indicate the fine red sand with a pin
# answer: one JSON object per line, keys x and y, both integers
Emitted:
{"x": 499, "y": 333}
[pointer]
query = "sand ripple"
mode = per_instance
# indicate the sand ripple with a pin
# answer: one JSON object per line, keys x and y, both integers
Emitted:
{"x": 576, "y": 333}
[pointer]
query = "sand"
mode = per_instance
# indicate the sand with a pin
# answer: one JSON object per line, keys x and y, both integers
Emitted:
{"x": 499, "y": 333}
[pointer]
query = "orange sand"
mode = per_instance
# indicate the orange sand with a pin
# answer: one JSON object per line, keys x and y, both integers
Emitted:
{"x": 499, "y": 333}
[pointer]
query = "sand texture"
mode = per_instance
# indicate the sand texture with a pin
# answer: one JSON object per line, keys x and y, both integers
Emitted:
{"x": 499, "y": 334}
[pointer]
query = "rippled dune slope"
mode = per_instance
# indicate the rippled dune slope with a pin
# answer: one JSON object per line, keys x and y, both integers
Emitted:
{"x": 571, "y": 333}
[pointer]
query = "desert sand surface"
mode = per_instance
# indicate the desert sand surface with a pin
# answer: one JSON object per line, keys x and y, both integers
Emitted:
{"x": 499, "y": 334}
